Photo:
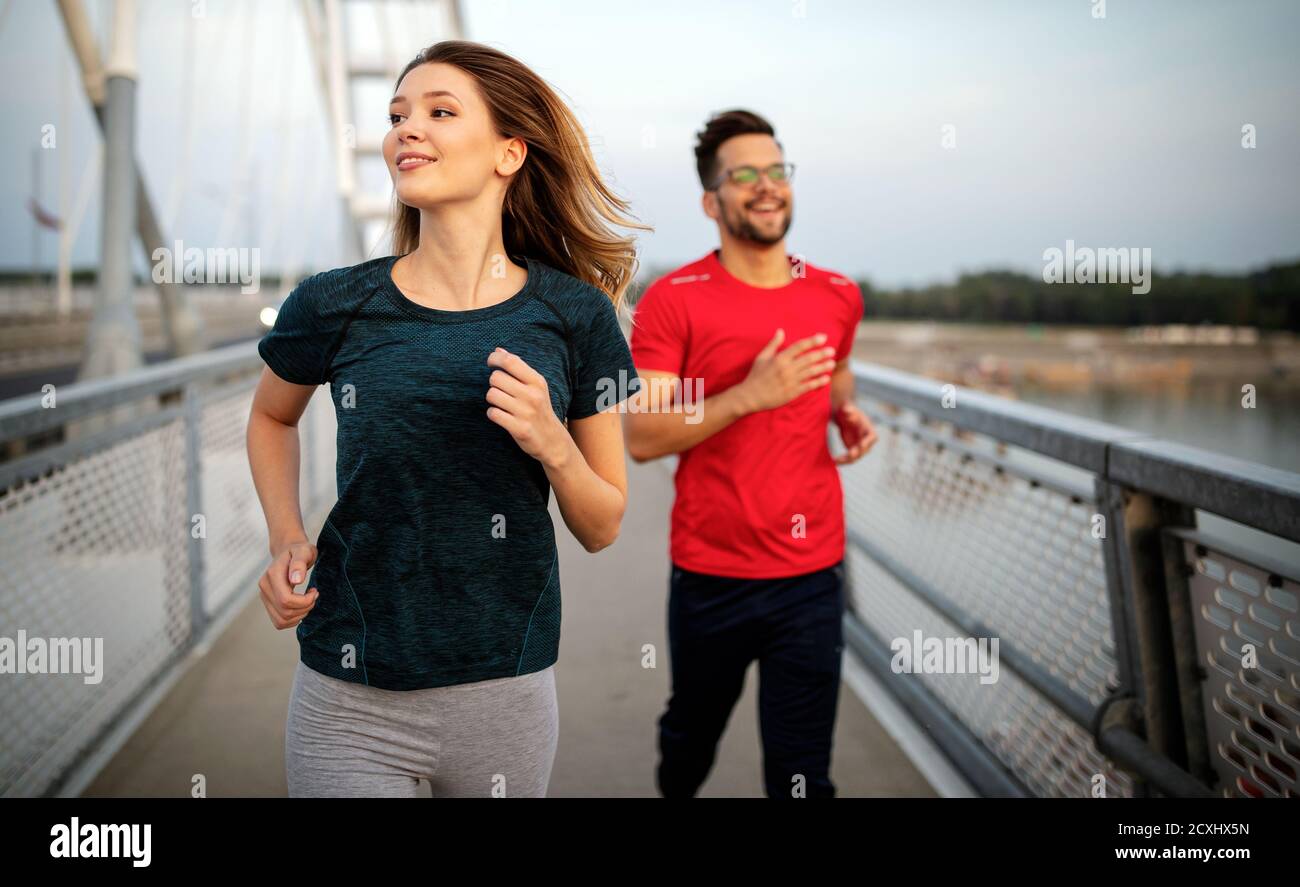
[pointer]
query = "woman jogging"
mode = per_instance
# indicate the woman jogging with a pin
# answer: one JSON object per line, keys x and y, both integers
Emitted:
{"x": 471, "y": 372}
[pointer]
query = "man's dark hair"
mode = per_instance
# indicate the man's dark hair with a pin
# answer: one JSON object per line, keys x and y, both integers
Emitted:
{"x": 721, "y": 127}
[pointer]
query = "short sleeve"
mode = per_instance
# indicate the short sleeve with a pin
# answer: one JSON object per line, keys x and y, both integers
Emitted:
{"x": 856, "y": 310}
{"x": 295, "y": 348}
{"x": 659, "y": 331}
{"x": 604, "y": 372}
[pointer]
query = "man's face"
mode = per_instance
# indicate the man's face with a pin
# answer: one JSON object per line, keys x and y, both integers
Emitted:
{"x": 760, "y": 212}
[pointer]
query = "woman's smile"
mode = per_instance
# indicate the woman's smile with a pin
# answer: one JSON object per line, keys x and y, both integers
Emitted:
{"x": 407, "y": 160}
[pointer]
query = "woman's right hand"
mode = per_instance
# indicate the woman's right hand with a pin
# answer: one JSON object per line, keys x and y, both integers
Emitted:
{"x": 289, "y": 568}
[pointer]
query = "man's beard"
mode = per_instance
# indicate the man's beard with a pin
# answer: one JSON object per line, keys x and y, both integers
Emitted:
{"x": 739, "y": 227}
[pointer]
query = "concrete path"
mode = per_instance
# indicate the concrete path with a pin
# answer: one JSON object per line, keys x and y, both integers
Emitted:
{"x": 224, "y": 718}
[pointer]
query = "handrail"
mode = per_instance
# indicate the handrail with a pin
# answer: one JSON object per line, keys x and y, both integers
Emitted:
{"x": 1237, "y": 489}
{"x": 1147, "y": 490}
{"x": 26, "y": 415}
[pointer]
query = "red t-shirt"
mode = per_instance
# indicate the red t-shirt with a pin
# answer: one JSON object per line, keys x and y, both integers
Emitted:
{"x": 761, "y": 498}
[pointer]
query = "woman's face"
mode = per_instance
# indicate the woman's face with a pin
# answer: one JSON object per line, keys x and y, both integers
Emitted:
{"x": 442, "y": 146}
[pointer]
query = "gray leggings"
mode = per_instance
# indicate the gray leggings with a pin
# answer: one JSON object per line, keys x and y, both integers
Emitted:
{"x": 489, "y": 738}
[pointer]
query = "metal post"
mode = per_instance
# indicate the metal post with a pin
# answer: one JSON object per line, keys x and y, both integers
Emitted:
{"x": 1140, "y": 612}
{"x": 193, "y": 411}
{"x": 114, "y": 339}
{"x": 181, "y": 321}
{"x": 1189, "y": 670}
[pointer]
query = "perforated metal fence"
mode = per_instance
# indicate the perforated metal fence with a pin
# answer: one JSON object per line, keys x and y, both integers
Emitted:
{"x": 1120, "y": 652}
{"x": 137, "y": 533}
{"x": 1018, "y": 557}
{"x": 1139, "y": 652}
{"x": 1247, "y": 626}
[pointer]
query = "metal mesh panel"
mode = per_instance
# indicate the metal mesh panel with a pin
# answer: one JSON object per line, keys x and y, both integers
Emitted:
{"x": 1252, "y": 715}
{"x": 100, "y": 547}
{"x": 236, "y": 529}
{"x": 95, "y": 549}
{"x": 235, "y": 544}
{"x": 1013, "y": 554}
{"x": 1045, "y": 749}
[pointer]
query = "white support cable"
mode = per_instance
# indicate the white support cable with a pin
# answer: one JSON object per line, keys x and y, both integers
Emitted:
{"x": 387, "y": 46}
{"x": 122, "y": 57}
{"x": 308, "y": 203}
{"x": 339, "y": 69}
{"x": 338, "y": 96}
{"x": 456, "y": 23}
{"x": 87, "y": 187}
{"x": 240, "y": 190}
{"x": 180, "y": 176}
{"x": 374, "y": 211}
{"x": 85, "y": 46}
{"x": 317, "y": 29}
{"x": 312, "y": 208}
{"x": 63, "y": 262}
{"x": 447, "y": 18}
{"x": 283, "y": 137}
{"x": 225, "y": 34}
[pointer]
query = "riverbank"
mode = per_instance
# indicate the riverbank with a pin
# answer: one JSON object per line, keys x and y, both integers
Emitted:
{"x": 1006, "y": 358}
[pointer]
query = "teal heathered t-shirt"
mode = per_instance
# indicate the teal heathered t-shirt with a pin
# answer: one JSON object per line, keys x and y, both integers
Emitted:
{"x": 438, "y": 563}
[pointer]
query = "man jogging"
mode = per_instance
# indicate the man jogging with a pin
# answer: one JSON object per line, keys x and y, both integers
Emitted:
{"x": 757, "y": 542}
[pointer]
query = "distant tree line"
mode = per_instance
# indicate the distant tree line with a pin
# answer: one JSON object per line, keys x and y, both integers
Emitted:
{"x": 1268, "y": 299}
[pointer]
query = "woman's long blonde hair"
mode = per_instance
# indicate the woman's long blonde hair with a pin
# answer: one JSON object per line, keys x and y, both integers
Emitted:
{"x": 557, "y": 207}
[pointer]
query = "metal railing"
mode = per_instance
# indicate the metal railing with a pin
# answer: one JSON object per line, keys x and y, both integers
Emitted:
{"x": 1149, "y": 639}
{"x": 128, "y": 513}
{"x": 1144, "y": 649}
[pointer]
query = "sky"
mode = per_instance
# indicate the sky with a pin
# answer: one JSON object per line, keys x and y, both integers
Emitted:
{"x": 1115, "y": 131}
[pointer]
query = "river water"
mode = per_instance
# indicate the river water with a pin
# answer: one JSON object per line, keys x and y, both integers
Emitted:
{"x": 1211, "y": 417}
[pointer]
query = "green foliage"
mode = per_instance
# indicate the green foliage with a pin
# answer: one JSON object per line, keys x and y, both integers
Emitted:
{"x": 1268, "y": 299}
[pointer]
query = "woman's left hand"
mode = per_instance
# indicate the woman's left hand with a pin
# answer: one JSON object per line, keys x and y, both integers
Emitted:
{"x": 521, "y": 404}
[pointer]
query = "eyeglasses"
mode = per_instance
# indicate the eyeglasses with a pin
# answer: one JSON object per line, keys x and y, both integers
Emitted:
{"x": 777, "y": 174}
